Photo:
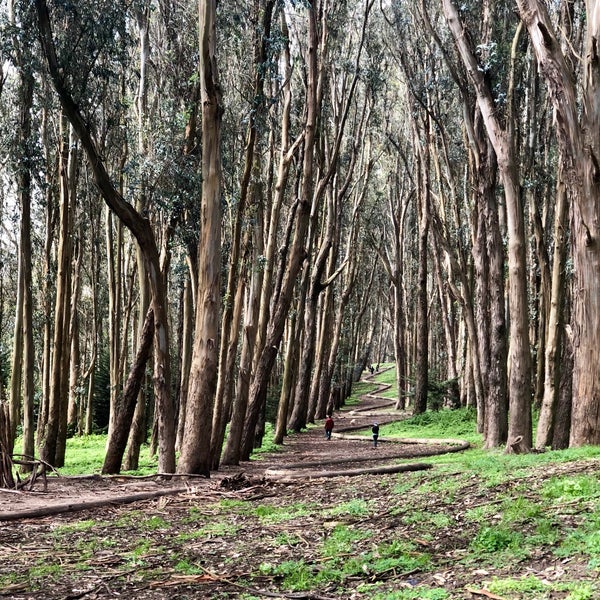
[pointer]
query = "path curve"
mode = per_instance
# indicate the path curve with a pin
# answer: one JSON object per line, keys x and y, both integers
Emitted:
{"x": 373, "y": 408}
{"x": 348, "y": 452}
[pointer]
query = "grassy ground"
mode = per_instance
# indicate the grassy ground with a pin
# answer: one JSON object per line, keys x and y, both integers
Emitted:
{"x": 479, "y": 524}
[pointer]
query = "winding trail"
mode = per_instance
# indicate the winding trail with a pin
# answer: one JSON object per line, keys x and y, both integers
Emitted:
{"x": 349, "y": 453}
{"x": 307, "y": 455}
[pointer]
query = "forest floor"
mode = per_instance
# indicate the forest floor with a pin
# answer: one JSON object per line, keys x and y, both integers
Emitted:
{"x": 283, "y": 527}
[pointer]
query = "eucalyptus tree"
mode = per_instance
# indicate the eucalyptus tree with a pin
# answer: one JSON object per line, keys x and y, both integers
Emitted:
{"x": 578, "y": 122}
{"x": 501, "y": 133}
{"x": 296, "y": 252}
{"x": 264, "y": 234}
{"x": 482, "y": 299}
{"x": 21, "y": 20}
{"x": 343, "y": 89}
{"x": 70, "y": 81}
{"x": 195, "y": 446}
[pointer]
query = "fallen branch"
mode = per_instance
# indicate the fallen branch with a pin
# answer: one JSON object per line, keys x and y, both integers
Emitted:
{"x": 284, "y": 474}
{"x": 73, "y": 507}
{"x": 483, "y": 593}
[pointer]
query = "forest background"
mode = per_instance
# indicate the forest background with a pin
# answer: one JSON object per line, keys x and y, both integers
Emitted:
{"x": 265, "y": 198}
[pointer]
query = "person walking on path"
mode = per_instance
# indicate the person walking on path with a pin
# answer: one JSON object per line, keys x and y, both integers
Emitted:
{"x": 375, "y": 432}
{"x": 328, "y": 426}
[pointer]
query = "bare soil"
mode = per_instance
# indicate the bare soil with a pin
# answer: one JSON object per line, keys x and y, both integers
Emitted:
{"x": 220, "y": 538}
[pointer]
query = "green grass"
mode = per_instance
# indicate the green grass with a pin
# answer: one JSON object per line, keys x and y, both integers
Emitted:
{"x": 85, "y": 455}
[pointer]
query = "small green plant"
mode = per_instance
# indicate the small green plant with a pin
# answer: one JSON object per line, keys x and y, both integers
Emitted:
{"x": 357, "y": 507}
{"x": 217, "y": 529}
{"x": 582, "y": 591}
{"x": 563, "y": 489}
{"x": 341, "y": 541}
{"x": 496, "y": 539}
{"x": 79, "y": 526}
{"x": 186, "y": 568}
{"x": 45, "y": 571}
{"x": 523, "y": 585}
{"x": 295, "y": 575}
{"x": 417, "y": 593}
{"x": 153, "y": 523}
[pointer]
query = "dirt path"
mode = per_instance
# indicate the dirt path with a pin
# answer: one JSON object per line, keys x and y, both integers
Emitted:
{"x": 307, "y": 455}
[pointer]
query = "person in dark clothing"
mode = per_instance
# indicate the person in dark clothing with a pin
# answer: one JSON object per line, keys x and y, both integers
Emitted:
{"x": 375, "y": 432}
{"x": 328, "y": 427}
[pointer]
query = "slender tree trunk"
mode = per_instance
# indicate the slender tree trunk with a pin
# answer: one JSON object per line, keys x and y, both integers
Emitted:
{"x": 287, "y": 384}
{"x": 74, "y": 405}
{"x": 50, "y": 448}
{"x": 187, "y": 327}
{"x": 422, "y": 313}
{"x": 122, "y": 423}
{"x": 553, "y": 369}
{"x": 140, "y": 228}
{"x": 577, "y": 131}
{"x": 519, "y": 427}
{"x": 195, "y": 447}
{"x": 297, "y": 252}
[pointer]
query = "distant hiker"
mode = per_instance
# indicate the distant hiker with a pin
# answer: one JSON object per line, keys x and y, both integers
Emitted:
{"x": 375, "y": 431}
{"x": 328, "y": 427}
{"x": 371, "y": 369}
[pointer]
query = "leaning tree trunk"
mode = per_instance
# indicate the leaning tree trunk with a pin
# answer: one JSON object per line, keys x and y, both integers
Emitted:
{"x": 122, "y": 422}
{"x": 141, "y": 230}
{"x": 297, "y": 252}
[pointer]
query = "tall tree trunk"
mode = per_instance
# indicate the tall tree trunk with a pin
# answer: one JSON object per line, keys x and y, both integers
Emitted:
{"x": 22, "y": 388}
{"x": 50, "y": 448}
{"x": 297, "y": 252}
{"x": 577, "y": 130}
{"x": 556, "y": 323}
{"x": 519, "y": 427}
{"x": 137, "y": 420}
{"x": 74, "y": 406}
{"x": 141, "y": 230}
{"x": 422, "y": 313}
{"x": 195, "y": 447}
{"x": 187, "y": 327}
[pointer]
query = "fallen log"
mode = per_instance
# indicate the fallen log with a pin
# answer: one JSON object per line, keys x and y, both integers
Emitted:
{"x": 34, "y": 513}
{"x": 282, "y": 475}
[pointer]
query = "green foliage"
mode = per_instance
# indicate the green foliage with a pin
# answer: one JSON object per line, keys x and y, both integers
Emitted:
{"x": 536, "y": 588}
{"x": 69, "y": 528}
{"x": 418, "y": 593}
{"x": 267, "y": 444}
{"x": 357, "y": 507}
{"x": 496, "y": 539}
{"x": 85, "y": 455}
{"x": 274, "y": 514}
{"x": 565, "y": 489}
{"x": 186, "y": 568}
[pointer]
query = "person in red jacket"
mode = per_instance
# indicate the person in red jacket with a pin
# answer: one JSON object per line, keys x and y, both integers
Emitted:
{"x": 328, "y": 427}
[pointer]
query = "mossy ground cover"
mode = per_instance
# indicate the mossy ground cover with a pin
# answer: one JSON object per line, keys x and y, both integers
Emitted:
{"x": 478, "y": 524}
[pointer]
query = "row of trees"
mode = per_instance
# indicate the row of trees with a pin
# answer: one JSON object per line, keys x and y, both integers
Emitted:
{"x": 262, "y": 198}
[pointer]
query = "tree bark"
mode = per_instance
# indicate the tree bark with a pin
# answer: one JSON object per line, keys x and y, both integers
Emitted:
{"x": 122, "y": 423}
{"x": 519, "y": 427}
{"x": 297, "y": 251}
{"x": 195, "y": 448}
{"x": 141, "y": 230}
{"x": 577, "y": 131}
